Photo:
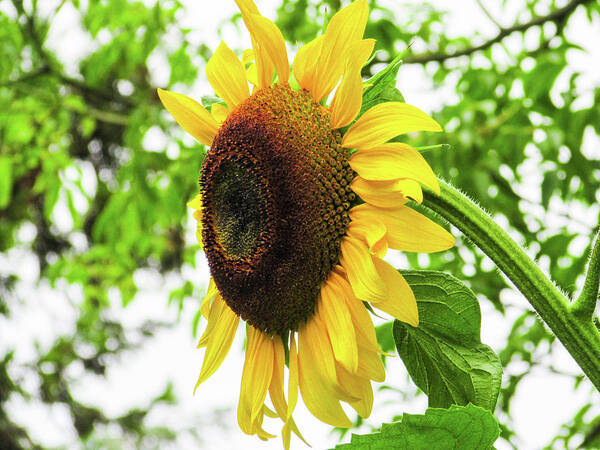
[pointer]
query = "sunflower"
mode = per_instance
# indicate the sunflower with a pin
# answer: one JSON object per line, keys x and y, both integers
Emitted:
{"x": 298, "y": 204}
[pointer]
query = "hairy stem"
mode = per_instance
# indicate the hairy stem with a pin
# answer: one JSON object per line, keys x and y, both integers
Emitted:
{"x": 580, "y": 337}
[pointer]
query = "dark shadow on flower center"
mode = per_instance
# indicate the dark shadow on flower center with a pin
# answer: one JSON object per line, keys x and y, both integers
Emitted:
{"x": 236, "y": 200}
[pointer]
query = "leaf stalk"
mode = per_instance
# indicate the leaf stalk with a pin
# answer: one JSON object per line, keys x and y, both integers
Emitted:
{"x": 585, "y": 305}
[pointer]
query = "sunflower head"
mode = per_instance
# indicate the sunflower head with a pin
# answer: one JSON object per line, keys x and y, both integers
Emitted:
{"x": 276, "y": 204}
{"x": 295, "y": 215}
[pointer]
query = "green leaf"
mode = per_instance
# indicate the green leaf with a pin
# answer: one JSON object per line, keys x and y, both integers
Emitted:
{"x": 382, "y": 87}
{"x": 444, "y": 354}
{"x": 5, "y": 181}
{"x": 460, "y": 427}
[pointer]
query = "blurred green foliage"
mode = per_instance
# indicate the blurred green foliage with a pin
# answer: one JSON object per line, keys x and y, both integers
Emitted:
{"x": 75, "y": 167}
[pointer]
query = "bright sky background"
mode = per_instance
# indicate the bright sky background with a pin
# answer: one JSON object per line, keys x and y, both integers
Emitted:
{"x": 141, "y": 375}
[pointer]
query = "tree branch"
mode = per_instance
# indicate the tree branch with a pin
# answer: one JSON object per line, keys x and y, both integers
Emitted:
{"x": 557, "y": 16}
{"x": 51, "y": 67}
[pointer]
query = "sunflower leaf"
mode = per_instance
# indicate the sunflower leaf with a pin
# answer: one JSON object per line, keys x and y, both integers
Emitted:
{"x": 382, "y": 87}
{"x": 466, "y": 427}
{"x": 444, "y": 354}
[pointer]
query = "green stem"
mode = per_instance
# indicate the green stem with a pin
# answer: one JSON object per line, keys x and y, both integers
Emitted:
{"x": 580, "y": 337}
{"x": 585, "y": 305}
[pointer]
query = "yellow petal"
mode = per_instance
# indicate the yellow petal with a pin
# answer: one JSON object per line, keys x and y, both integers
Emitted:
{"x": 387, "y": 194}
{"x": 227, "y": 76}
{"x": 348, "y": 96}
{"x": 400, "y": 301}
{"x": 268, "y": 44}
{"x": 270, "y": 38}
{"x": 219, "y": 343}
{"x": 318, "y": 396}
{"x": 191, "y": 115}
{"x": 262, "y": 434}
{"x": 215, "y": 309}
{"x": 346, "y": 26}
{"x": 305, "y": 62}
{"x": 256, "y": 425}
{"x": 392, "y": 161}
{"x": 385, "y": 121}
{"x": 293, "y": 380}
{"x": 372, "y": 232}
{"x": 210, "y": 293}
{"x": 219, "y": 112}
{"x": 256, "y": 377}
{"x": 369, "y": 363}
{"x": 364, "y": 279}
{"x": 267, "y": 412}
{"x": 363, "y": 325}
{"x": 247, "y": 6}
{"x": 317, "y": 340}
{"x": 196, "y": 202}
{"x": 332, "y": 310}
{"x": 252, "y": 74}
{"x": 290, "y": 425}
{"x": 285, "y": 434}
{"x": 198, "y": 216}
{"x": 276, "y": 386}
{"x": 407, "y": 229}
{"x": 248, "y": 56}
{"x": 361, "y": 387}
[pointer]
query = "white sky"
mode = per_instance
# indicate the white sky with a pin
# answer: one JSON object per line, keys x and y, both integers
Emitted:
{"x": 142, "y": 374}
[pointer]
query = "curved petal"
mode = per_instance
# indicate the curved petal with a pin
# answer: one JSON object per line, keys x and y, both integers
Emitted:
{"x": 269, "y": 48}
{"x": 219, "y": 112}
{"x": 219, "y": 342}
{"x": 198, "y": 216}
{"x": 400, "y": 301}
{"x": 293, "y": 380}
{"x": 364, "y": 279}
{"x": 387, "y": 194}
{"x": 305, "y": 62}
{"x": 247, "y": 6}
{"x": 332, "y": 310}
{"x": 318, "y": 396}
{"x": 407, "y": 229}
{"x": 392, "y": 161}
{"x": 360, "y": 386}
{"x": 385, "y": 121}
{"x": 252, "y": 74}
{"x": 215, "y": 309}
{"x": 191, "y": 115}
{"x": 256, "y": 378}
{"x": 369, "y": 363}
{"x": 371, "y": 231}
{"x": 363, "y": 325}
{"x": 196, "y": 202}
{"x": 248, "y": 56}
{"x": 345, "y": 27}
{"x": 268, "y": 44}
{"x": 348, "y": 96}
{"x": 210, "y": 293}
{"x": 276, "y": 386}
{"x": 227, "y": 76}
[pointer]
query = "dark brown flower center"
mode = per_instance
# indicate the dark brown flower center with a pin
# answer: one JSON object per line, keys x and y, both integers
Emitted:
{"x": 276, "y": 197}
